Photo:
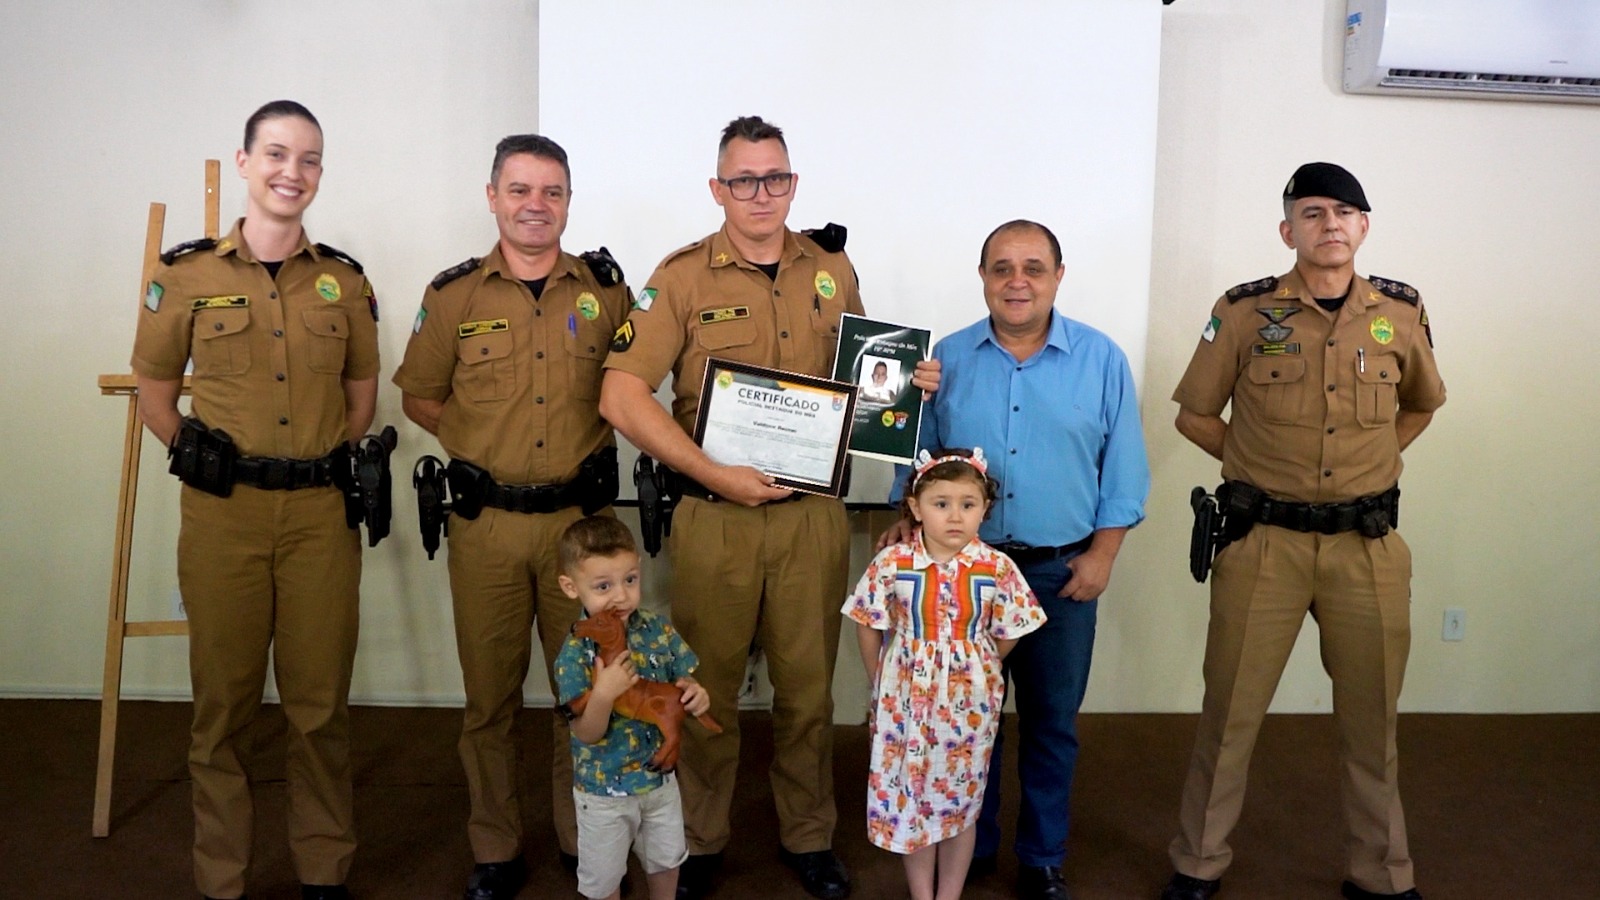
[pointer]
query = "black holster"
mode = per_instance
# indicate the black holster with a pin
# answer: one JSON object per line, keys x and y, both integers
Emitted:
{"x": 598, "y": 476}
{"x": 203, "y": 458}
{"x": 433, "y": 501}
{"x": 1219, "y": 520}
{"x": 363, "y": 476}
{"x": 657, "y": 499}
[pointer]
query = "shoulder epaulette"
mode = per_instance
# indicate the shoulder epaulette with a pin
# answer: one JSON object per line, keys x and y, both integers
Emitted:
{"x": 187, "y": 247}
{"x": 1253, "y": 288}
{"x": 341, "y": 256}
{"x": 455, "y": 271}
{"x": 604, "y": 266}
{"x": 1399, "y": 290}
{"x": 829, "y": 237}
{"x": 686, "y": 248}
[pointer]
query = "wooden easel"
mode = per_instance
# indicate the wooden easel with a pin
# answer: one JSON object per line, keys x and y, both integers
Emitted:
{"x": 118, "y": 627}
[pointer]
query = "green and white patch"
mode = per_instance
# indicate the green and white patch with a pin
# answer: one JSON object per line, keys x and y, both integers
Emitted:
{"x": 422, "y": 313}
{"x": 645, "y": 298}
{"x": 152, "y": 296}
{"x": 1212, "y": 327}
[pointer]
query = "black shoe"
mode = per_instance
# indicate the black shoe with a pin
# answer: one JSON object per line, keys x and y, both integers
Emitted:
{"x": 694, "y": 876}
{"x": 1041, "y": 883}
{"x": 821, "y": 873}
{"x": 323, "y": 892}
{"x": 981, "y": 867}
{"x": 1183, "y": 887}
{"x": 497, "y": 881}
{"x": 1350, "y": 891}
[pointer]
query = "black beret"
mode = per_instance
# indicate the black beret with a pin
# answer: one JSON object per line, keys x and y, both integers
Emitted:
{"x": 1321, "y": 179}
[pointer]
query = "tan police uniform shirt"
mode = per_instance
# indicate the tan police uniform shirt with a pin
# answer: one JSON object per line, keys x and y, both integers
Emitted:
{"x": 270, "y": 356}
{"x": 520, "y": 378}
{"x": 1314, "y": 393}
{"x": 706, "y": 301}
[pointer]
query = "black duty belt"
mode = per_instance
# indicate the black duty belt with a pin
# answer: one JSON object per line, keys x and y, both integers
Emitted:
{"x": 1027, "y": 554}
{"x": 534, "y": 498}
{"x": 1376, "y": 513}
{"x": 274, "y": 474}
{"x": 685, "y": 486}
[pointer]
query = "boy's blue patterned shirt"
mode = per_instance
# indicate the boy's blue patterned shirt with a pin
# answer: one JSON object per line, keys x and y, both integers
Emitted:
{"x": 615, "y": 764}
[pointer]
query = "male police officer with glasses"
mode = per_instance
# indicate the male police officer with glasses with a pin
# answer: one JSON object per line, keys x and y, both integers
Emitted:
{"x": 1330, "y": 376}
{"x": 752, "y": 562}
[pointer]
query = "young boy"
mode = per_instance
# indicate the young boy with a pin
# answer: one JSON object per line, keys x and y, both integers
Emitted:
{"x": 620, "y": 802}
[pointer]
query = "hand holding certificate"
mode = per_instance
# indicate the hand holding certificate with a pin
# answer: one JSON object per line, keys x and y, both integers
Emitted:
{"x": 793, "y": 427}
{"x": 879, "y": 358}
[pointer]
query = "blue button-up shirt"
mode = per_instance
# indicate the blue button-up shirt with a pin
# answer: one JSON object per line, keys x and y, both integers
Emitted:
{"x": 1061, "y": 431}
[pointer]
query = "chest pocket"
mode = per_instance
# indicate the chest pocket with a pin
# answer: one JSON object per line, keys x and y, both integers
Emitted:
{"x": 330, "y": 335}
{"x": 586, "y": 351}
{"x": 486, "y": 371}
{"x": 1377, "y": 390}
{"x": 727, "y": 335}
{"x": 221, "y": 344}
{"x": 1283, "y": 379}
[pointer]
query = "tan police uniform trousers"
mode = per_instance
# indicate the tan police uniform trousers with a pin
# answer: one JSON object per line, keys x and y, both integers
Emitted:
{"x": 1359, "y": 592}
{"x": 279, "y": 569}
{"x": 774, "y": 576}
{"x": 502, "y": 583}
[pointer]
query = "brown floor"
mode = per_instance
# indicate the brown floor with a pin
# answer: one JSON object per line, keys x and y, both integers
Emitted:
{"x": 1499, "y": 807}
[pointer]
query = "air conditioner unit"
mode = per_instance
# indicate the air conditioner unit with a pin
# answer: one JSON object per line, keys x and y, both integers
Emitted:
{"x": 1492, "y": 49}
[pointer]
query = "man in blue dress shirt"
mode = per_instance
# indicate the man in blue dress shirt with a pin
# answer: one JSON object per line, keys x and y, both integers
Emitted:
{"x": 1051, "y": 402}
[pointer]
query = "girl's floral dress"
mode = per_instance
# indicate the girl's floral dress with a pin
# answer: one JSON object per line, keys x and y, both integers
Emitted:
{"x": 936, "y": 705}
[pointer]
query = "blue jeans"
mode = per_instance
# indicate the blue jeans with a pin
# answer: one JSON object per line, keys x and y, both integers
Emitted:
{"x": 1048, "y": 670}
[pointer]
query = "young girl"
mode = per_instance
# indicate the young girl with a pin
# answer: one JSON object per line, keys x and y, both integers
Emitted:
{"x": 953, "y": 607}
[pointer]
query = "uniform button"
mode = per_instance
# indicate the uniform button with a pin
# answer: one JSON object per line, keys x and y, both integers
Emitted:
{"x": 273, "y": 295}
{"x": 1330, "y": 342}
{"x": 280, "y": 376}
{"x": 1383, "y": 374}
{"x": 783, "y": 334}
{"x": 538, "y": 443}
{"x": 538, "y": 400}
{"x": 777, "y": 293}
{"x": 283, "y": 420}
{"x": 483, "y": 351}
{"x": 217, "y": 327}
{"x": 1274, "y": 373}
{"x": 277, "y": 332}
{"x": 1327, "y": 473}
{"x": 1330, "y": 388}
{"x": 538, "y": 312}
{"x": 1330, "y": 431}
{"x": 540, "y": 354}
{"x": 591, "y": 349}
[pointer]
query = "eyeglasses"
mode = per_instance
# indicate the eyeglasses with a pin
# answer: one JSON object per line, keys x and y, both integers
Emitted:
{"x": 744, "y": 187}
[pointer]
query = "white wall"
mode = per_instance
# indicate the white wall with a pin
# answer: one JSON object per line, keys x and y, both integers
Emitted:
{"x": 1487, "y": 207}
{"x": 109, "y": 106}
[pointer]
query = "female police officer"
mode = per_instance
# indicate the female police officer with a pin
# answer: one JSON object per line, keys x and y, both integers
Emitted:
{"x": 283, "y": 337}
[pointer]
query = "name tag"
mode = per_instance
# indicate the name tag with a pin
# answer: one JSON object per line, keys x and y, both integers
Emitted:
{"x": 486, "y": 326}
{"x": 724, "y": 315}
{"x": 1275, "y": 349}
{"x": 229, "y": 302}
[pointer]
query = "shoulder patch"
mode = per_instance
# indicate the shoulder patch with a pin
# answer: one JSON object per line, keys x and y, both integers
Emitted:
{"x": 604, "y": 266}
{"x": 829, "y": 237}
{"x": 169, "y": 256}
{"x": 341, "y": 256}
{"x": 1399, "y": 290}
{"x": 455, "y": 271}
{"x": 1253, "y": 288}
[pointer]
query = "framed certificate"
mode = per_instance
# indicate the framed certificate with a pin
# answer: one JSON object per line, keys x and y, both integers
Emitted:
{"x": 793, "y": 427}
{"x": 878, "y": 357}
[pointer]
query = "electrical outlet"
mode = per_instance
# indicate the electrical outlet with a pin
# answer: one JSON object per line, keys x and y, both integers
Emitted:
{"x": 1455, "y": 624}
